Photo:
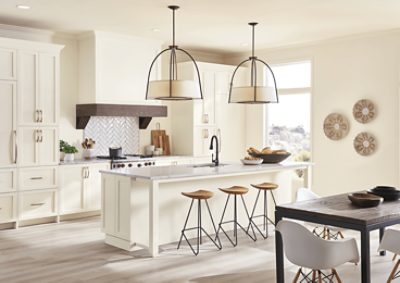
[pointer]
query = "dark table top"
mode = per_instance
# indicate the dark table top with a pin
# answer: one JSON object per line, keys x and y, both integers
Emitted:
{"x": 338, "y": 208}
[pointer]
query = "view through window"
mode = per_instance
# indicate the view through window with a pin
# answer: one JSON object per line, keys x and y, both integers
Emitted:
{"x": 289, "y": 121}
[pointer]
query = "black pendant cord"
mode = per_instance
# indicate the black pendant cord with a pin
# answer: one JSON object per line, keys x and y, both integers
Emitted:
{"x": 173, "y": 26}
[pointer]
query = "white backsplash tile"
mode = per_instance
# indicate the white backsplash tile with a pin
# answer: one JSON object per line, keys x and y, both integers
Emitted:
{"x": 113, "y": 132}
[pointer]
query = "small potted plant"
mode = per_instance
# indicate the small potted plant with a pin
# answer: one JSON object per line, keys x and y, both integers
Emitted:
{"x": 88, "y": 148}
{"x": 68, "y": 150}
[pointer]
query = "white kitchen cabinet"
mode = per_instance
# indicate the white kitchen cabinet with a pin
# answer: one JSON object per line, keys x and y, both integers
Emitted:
{"x": 37, "y": 204}
{"x": 80, "y": 187}
{"x": 8, "y": 180}
{"x": 116, "y": 193}
{"x": 37, "y": 88}
{"x": 8, "y": 207}
{"x": 8, "y": 64}
{"x": 8, "y": 128}
{"x": 38, "y": 146}
{"x": 193, "y": 123}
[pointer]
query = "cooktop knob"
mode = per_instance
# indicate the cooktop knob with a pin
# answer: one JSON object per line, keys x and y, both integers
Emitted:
{"x": 139, "y": 165}
{"x": 130, "y": 165}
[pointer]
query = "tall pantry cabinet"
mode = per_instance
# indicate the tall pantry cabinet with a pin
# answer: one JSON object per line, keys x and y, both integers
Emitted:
{"x": 29, "y": 114}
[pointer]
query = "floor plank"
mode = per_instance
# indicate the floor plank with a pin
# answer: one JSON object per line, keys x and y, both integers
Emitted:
{"x": 74, "y": 251}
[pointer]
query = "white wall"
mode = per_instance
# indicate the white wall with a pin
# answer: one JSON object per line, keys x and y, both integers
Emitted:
{"x": 344, "y": 71}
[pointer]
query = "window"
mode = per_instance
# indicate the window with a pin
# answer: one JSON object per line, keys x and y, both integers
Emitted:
{"x": 289, "y": 121}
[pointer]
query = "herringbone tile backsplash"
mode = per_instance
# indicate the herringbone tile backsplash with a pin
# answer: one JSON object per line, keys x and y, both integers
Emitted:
{"x": 113, "y": 132}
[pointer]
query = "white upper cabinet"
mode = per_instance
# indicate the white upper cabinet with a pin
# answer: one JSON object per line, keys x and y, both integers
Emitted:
{"x": 113, "y": 68}
{"x": 8, "y": 108}
{"x": 37, "y": 88}
{"x": 7, "y": 64}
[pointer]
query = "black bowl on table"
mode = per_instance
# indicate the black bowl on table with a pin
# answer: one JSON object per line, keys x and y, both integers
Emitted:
{"x": 271, "y": 157}
{"x": 365, "y": 200}
{"x": 388, "y": 193}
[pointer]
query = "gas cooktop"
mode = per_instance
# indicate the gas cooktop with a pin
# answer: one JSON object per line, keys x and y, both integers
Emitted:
{"x": 125, "y": 157}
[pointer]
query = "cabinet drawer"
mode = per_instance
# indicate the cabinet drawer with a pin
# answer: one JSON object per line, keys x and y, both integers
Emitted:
{"x": 7, "y": 208}
{"x": 38, "y": 178}
{"x": 37, "y": 204}
{"x": 7, "y": 180}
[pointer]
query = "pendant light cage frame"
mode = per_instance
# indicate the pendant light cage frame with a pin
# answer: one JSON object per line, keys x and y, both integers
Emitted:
{"x": 173, "y": 67}
{"x": 256, "y": 90}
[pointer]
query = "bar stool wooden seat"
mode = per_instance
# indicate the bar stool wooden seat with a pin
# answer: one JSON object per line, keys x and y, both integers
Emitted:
{"x": 265, "y": 187}
{"x": 199, "y": 195}
{"x": 235, "y": 191}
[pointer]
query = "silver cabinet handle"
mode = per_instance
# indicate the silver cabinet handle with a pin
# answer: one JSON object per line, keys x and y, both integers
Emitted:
{"x": 15, "y": 151}
{"x": 41, "y": 136}
{"x": 88, "y": 172}
{"x": 37, "y": 136}
{"x": 41, "y": 116}
{"x": 36, "y": 178}
{"x": 37, "y": 116}
{"x": 37, "y": 204}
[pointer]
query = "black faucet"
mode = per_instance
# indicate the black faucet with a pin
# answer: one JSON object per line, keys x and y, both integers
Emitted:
{"x": 216, "y": 160}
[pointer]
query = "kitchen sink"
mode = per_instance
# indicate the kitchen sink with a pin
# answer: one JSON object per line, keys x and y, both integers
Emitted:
{"x": 207, "y": 165}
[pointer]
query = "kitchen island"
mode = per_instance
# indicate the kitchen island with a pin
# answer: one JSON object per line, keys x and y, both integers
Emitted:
{"x": 144, "y": 208}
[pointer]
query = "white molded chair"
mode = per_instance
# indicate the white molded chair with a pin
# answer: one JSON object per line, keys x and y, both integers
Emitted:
{"x": 391, "y": 242}
{"x": 328, "y": 232}
{"x": 303, "y": 249}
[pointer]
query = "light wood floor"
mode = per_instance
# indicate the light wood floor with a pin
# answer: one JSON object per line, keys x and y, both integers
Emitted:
{"x": 74, "y": 252}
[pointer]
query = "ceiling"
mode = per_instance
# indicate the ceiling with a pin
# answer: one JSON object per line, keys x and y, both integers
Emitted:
{"x": 211, "y": 25}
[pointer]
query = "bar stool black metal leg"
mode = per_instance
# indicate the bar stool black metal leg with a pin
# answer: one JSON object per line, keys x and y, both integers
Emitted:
{"x": 273, "y": 197}
{"x": 222, "y": 217}
{"x": 215, "y": 230}
{"x": 265, "y": 213}
{"x": 184, "y": 226}
{"x": 199, "y": 241}
{"x": 248, "y": 217}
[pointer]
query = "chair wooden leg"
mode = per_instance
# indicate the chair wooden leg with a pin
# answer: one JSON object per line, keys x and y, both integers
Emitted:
{"x": 336, "y": 275}
{"x": 314, "y": 273}
{"x": 296, "y": 277}
{"x": 340, "y": 234}
{"x": 319, "y": 276}
{"x": 328, "y": 234}
{"x": 393, "y": 273}
{"x": 394, "y": 257}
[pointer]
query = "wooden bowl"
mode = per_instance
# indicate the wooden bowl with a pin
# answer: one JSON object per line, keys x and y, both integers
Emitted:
{"x": 271, "y": 157}
{"x": 365, "y": 199}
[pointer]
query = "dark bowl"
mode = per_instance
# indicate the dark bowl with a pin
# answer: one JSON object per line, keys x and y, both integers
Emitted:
{"x": 384, "y": 189}
{"x": 388, "y": 195}
{"x": 365, "y": 200}
{"x": 272, "y": 157}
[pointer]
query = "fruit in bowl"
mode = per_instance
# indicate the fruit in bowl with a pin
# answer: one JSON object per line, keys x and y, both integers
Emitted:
{"x": 251, "y": 160}
{"x": 269, "y": 155}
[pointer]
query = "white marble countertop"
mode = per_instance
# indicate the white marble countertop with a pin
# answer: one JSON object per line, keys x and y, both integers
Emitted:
{"x": 194, "y": 171}
{"x": 98, "y": 160}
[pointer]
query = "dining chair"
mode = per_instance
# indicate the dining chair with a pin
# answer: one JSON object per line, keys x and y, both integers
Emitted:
{"x": 327, "y": 232}
{"x": 391, "y": 242}
{"x": 305, "y": 250}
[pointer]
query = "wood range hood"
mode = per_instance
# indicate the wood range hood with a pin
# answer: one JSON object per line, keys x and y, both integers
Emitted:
{"x": 144, "y": 112}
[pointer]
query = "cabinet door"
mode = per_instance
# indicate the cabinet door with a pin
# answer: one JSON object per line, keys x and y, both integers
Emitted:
{"x": 7, "y": 64}
{"x": 48, "y": 89}
{"x": 28, "y": 141}
{"x": 8, "y": 180}
{"x": 71, "y": 188}
{"x": 8, "y": 123}
{"x": 37, "y": 204}
{"x": 27, "y": 88}
{"x": 7, "y": 207}
{"x": 93, "y": 185}
{"x": 108, "y": 203}
{"x": 48, "y": 150}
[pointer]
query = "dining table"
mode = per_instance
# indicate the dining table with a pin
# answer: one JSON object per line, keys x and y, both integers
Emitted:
{"x": 338, "y": 211}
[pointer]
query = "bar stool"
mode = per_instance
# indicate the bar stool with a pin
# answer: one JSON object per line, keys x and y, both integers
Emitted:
{"x": 199, "y": 195}
{"x": 235, "y": 191}
{"x": 265, "y": 187}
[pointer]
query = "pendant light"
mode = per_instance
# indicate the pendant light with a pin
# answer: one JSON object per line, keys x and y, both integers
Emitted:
{"x": 173, "y": 88}
{"x": 258, "y": 92}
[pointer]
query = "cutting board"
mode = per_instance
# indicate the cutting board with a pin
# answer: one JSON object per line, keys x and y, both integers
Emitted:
{"x": 159, "y": 138}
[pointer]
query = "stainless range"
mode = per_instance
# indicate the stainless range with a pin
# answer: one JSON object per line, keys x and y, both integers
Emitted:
{"x": 130, "y": 161}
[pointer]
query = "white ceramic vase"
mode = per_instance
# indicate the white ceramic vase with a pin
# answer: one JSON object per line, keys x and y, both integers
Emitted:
{"x": 88, "y": 153}
{"x": 69, "y": 157}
